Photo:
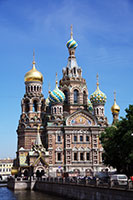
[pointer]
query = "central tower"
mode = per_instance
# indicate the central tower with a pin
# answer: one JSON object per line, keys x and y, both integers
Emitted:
{"x": 72, "y": 84}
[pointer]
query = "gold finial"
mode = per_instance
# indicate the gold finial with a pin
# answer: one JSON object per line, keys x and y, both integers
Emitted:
{"x": 71, "y": 31}
{"x": 56, "y": 80}
{"x": 33, "y": 57}
{"x": 97, "y": 80}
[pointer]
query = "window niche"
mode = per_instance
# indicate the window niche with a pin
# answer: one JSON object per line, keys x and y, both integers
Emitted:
{"x": 76, "y": 95}
{"x": 34, "y": 106}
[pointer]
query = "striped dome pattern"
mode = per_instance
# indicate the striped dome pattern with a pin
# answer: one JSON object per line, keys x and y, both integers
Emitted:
{"x": 89, "y": 104}
{"x": 56, "y": 96}
{"x": 98, "y": 97}
{"x": 72, "y": 44}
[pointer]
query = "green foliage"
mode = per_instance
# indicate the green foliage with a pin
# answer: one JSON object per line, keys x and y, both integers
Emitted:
{"x": 118, "y": 144}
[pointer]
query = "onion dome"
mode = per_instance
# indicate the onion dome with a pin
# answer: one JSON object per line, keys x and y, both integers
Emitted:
{"x": 56, "y": 96}
{"x": 14, "y": 171}
{"x": 98, "y": 97}
{"x": 71, "y": 44}
{"x": 115, "y": 108}
{"x": 33, "y": 74}
{"x": 89, "y": 105}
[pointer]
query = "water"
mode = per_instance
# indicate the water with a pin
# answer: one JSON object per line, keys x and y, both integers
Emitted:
{"x": 6, "y": 194}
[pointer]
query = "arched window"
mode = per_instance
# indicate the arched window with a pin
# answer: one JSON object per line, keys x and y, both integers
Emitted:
{"x": 26, "y": 105}
{"x": 76, "y": 94}
{"x": 84, "y": 98}
{"x": 31, "y": 88}
{"x": 34, "y": 88}
{"x": 60, "y": 110}
{"x": 34, "y": 106}
{"x": 66, "y": 96}
{"x": 55, "y": 110}
{"x": 74, "y": 70}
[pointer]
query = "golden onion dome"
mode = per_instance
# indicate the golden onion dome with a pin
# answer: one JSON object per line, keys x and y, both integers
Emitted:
{"x": 115, "y": 108}
{"x": 33, "y": 74}
{"x": 14, "y": 171}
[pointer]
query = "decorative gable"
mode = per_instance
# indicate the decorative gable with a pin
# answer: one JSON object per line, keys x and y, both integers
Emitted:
{"x": 81, "y": 118}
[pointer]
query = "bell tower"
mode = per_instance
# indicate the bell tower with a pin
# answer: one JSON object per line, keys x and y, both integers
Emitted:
{"x": 32, "y": 105}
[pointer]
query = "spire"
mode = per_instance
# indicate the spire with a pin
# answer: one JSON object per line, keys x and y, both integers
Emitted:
{"x": 49, "y": 86}
{"x": 97, "y": 81}
{"x": 33, "y": 59}
{"x": 71, "y": 31}
{"x": 114, "y": 96}
{"x": 38, "y": 139}
{"x": 56, "y": 80}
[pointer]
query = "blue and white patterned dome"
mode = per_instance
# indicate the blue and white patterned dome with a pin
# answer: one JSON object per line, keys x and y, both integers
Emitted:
{"x": 71, "y": 44}
{"x": 90, "y": 106}
{"x": 56, "y": 96}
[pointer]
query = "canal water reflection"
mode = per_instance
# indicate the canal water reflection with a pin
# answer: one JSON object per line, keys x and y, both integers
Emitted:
{"x": 6, "y": 194}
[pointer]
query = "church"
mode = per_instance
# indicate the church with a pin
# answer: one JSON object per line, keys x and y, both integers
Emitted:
{"x": 60, "y": 134}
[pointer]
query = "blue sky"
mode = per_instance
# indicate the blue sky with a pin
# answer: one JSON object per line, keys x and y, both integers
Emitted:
{"x": 104, "y": 33}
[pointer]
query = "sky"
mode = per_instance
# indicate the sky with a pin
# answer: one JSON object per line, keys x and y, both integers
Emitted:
{"x": 104, "y": 33}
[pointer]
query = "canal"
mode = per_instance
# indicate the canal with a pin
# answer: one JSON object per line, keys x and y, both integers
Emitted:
{"x": 6, "y": 194}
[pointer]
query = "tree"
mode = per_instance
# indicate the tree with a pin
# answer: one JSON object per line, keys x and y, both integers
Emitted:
{"x": 117, "y": 142}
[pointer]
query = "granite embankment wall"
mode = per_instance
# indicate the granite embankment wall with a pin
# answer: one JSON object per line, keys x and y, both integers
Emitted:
{"x": 83, "y": 192}
{"x": 72, "y": 190}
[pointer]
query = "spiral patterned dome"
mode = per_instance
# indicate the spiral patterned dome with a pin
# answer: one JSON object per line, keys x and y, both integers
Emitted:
{"x": 56, "y": 96}
{"x": 89, "y": 104}
{"x": 98, "y": 97}
{"x": 72, "y": 44}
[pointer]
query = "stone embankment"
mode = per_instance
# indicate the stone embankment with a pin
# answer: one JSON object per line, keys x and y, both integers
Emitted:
{"x": 78, "y": 190}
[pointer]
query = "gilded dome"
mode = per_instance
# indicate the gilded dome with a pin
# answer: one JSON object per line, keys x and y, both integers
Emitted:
{"x": 14, "y": 171}
{"x": 33, "y": 75}
{"x": 115, "y": 108}
{"x": 98, "y": 97}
